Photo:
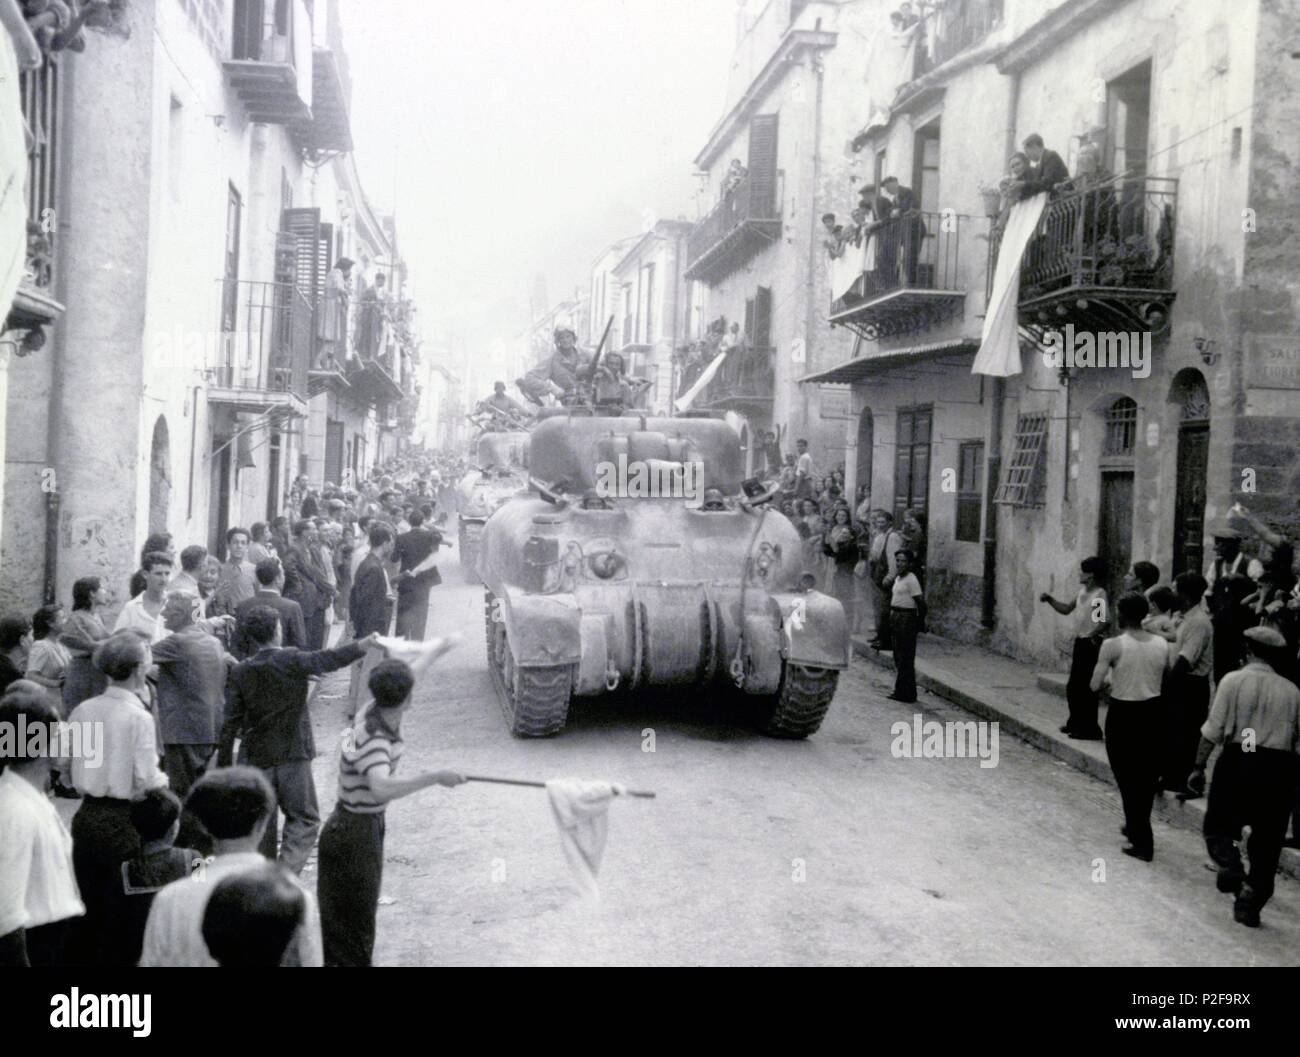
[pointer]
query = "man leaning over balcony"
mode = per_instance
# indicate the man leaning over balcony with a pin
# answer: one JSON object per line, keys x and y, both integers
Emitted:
{"x": 1047, "y": 172}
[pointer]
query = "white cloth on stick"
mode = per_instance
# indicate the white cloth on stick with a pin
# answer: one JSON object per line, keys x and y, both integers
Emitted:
{"x": 687, "y": 398}
{"x": 411, "y": 651}
{"x": 581, "y": 810}
{"x": 999, "y": 353}
{"x": 848, "y": 267}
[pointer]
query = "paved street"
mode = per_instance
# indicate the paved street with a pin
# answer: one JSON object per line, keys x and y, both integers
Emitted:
{"x": 902, "y": 861}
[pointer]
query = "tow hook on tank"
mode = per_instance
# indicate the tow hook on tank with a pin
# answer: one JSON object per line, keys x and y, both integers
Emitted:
{"x": 612, "y": 676}
{"x": 737, "y": 668}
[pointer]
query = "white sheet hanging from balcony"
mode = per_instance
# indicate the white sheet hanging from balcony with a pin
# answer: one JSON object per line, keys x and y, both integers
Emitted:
{"x": 999, "y": 353}
{"x": 849, "y": 266}
{"x": 687, "y": 398}
{"x": 13, "y": 176}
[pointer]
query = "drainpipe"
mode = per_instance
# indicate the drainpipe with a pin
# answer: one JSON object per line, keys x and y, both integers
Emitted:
{"x": 818, "y": 67}
{"x": 993, "y": 464}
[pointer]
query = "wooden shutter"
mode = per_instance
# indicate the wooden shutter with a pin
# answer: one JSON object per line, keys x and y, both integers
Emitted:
{"x": 762, "y": 329}
{"x": 333, "y": 451}
{"x": 304, "y": 225}
{"x": 762, "y": 166}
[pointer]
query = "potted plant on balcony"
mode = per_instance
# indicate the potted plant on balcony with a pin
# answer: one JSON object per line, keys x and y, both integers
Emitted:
{"x": 992, "y": 197}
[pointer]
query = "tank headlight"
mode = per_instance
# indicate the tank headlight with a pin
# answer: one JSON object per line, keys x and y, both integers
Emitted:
{"x": 764, "y": 563}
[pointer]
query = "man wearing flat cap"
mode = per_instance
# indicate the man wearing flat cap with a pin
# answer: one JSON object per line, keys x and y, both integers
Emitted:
{"x": 1256, "y": 716}
{"x": 1231, "y": 577}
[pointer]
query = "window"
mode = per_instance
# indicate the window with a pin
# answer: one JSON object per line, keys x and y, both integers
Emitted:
{"x": 912, "y": 460}
{"x": 1128, "y": 120}
{"x": 1025, "y": 483}
{"x": 970, "y": 490}
{"x": 879, "y": 173}
{"x": 1121, "y": 429}
{"x": 234, "y": 213}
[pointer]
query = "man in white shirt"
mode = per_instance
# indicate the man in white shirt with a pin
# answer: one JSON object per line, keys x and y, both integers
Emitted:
{"x": 234, "y": 805}
{"x": 38, "y": 892}
{"x": 803, "y": 469}
{"x": 1090, "y": 620}
{"x": 125, "y": 765}
{"x": 143, "y": 613}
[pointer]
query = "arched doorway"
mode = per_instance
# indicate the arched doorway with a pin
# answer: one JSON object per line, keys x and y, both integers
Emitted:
{"x": 866, "y": 443}
{"x": 160, "y": 476}
{"x": 1191, "y": 398}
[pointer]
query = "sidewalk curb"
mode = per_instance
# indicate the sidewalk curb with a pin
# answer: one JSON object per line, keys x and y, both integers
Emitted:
{"x": 981, "y": 702}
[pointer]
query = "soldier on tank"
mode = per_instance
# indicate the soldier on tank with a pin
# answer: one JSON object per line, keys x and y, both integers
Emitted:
{"x": 613, "y": 388}
{"x": 502, "y": 410}
{"x": 560, "y": 374}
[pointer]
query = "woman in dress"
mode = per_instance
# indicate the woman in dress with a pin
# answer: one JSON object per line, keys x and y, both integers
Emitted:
{"x": 47, "y": 663}
{"x": 83, "y": 632}
{"x": 841, "y": 546}
{"x": 813, "y": 528}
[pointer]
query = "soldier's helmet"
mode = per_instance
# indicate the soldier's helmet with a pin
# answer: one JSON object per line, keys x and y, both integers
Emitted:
{"x": 561, "y": 331}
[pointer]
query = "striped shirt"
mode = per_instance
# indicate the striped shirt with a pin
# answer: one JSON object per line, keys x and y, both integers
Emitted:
{"x": 365, "y": 753}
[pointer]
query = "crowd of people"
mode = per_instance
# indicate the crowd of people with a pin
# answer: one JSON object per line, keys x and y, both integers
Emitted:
{"x": 199, "y": 692}
{"x": 1206, "y": 660}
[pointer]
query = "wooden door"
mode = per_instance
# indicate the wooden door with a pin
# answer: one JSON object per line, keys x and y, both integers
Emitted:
{"x": 1189, "y": 498}
{"x": 1115, "y": 529}
{"x": 912, "y": 460}
{"x": 333, "y": 451}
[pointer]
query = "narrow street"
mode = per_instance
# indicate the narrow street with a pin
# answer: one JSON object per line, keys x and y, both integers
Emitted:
{"x": 903, "y": 861}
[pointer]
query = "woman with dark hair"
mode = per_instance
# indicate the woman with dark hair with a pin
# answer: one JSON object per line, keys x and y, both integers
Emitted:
{"x": 82, "y": 633}
{"x": 841, "y": 546}
{"x": 157, "y": 541}
{"x": 47, "y": 663}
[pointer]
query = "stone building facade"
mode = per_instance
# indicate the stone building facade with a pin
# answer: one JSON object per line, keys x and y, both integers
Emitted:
{"x": 1191, "y": 110}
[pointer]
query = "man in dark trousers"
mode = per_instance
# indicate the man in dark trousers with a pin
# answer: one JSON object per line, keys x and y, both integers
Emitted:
{"x": 191, "y": 689}
{"x": 270, "y": 584}
{"x": 1229, "y": 580}
{"x": 370, "y": 604}
{"x": 305, "y": 582}
{"x": 1046, "y": 170}
{"x": 1256, "y": 715}
{"x": 895, "y": 201}
{"x": 413, "y": 588}
{"x": 266, "y": 708}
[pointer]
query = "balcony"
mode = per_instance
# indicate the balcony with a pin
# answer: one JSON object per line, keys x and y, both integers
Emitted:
{"x": 747, "y": 379}
{"x": 1101, "y": 258}
{"x": 747, "y": 220}
{"x": 950, "y": 29}
{"x": 912, "y": 275}
{"x": 266, "y": 340}
{"x": 270, "y": 64}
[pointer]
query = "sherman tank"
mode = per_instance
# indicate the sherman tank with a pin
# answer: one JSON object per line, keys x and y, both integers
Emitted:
{"x": 499, "y": 473}
{"x": 636, "y": 561}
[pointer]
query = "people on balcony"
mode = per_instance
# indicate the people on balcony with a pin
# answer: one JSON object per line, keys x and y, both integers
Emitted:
{"x": 733, "y": 178}
{"x": 1046, "y": 172}
{"x": 902, "y": 239}
{"x": 833, "y": 239}
{"x": 332, "y": 320}
{"x": 372, "y": 308}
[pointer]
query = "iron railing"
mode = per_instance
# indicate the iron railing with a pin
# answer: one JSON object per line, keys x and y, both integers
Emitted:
{"x": 266, "y": 337}
{"x": 918, "y": 251}
{"x": 750, "y": 199}
{"x": 950, "y": 29}
{"x": 746, "y": 374}
{"x": 1119, "y": 233}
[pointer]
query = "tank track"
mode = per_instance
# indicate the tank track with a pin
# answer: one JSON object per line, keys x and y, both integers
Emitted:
{"x": 800, "y": 704}
{"x": 535, "y": 701}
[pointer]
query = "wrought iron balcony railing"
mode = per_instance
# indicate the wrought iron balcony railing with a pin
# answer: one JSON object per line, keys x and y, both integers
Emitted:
{"x": 266, "y": 338}
{"x": 747, "y": 217}
{"x": 1118, "y": 234}
{"x": 911, "y": 267}
{"x": 747, "y": 375}
{"x": 951, "y": 28}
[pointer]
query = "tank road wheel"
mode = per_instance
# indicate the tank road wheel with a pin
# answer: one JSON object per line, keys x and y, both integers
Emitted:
{"x": 489, "y": 629}
{"x": 535, "y": 700}
{"x": 799, "y": 706}
{"x": 468, "y": 557}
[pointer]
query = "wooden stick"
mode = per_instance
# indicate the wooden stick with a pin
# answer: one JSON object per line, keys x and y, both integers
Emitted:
{"x": 542, "y": 785}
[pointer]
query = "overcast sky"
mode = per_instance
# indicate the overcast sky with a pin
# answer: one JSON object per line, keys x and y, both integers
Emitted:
{"x": 523, "y": 136}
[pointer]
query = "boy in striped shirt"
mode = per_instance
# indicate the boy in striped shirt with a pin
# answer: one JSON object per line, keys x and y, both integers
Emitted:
{"x": 351, "y": 849}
